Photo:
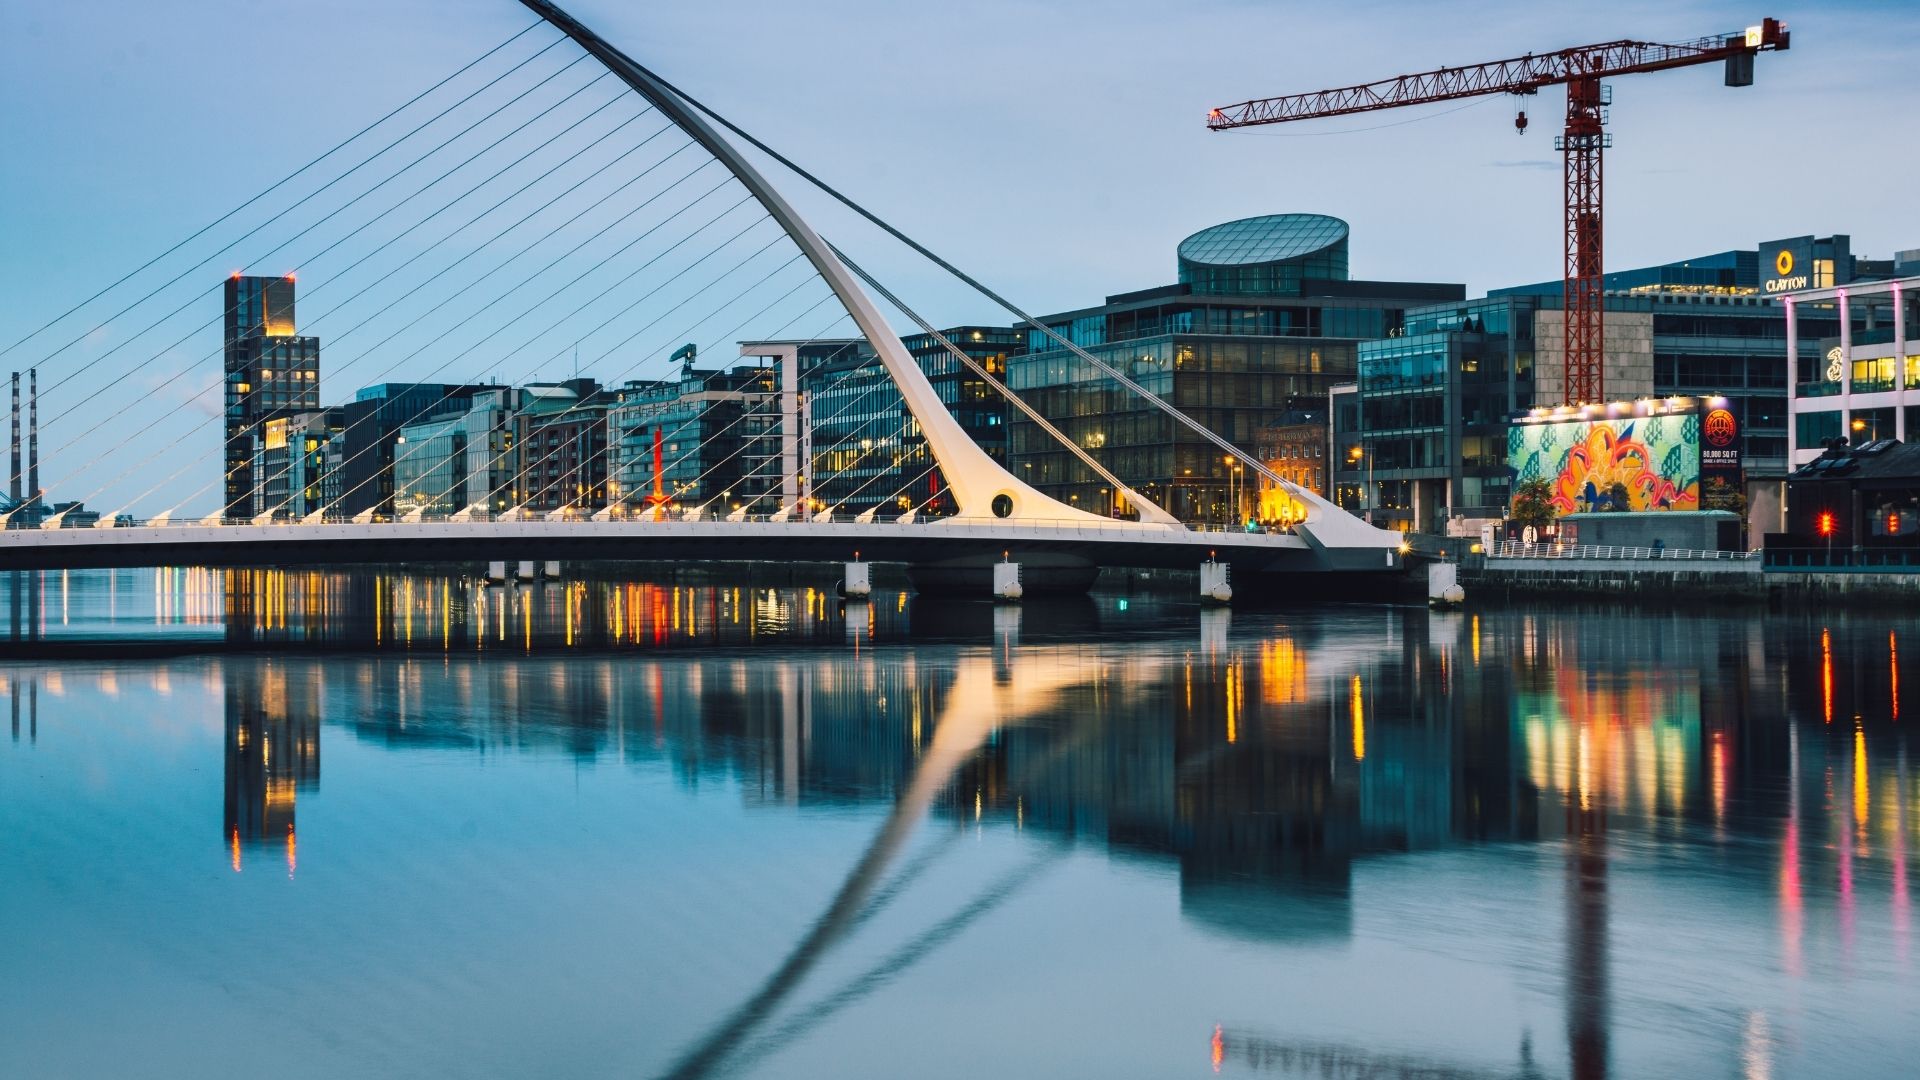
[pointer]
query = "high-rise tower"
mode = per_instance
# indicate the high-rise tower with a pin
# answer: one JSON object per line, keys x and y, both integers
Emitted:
{"x": 270, "y": 371}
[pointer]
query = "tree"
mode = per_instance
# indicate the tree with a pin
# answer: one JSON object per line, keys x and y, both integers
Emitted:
{"x": 1618, "y": 497}
{"x": 1717, "y": 494}
{"x": 1532, "y": 504}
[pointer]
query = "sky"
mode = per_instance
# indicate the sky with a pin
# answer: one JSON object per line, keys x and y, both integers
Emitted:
{"x": 1057, "y": 151}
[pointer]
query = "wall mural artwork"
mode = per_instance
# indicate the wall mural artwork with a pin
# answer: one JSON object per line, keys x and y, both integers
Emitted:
{"x": 1638, "y": 463}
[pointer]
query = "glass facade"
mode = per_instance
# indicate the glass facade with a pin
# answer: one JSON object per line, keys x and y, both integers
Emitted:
{"x": 1423, "y": 439}
{"x": 268, "y": 372}
{"x": 1264, "y": 256}
{"x": 560, "y": 441}
{"x": 1237, "y": 387}
{"x": 289, "y": 460}
{"x": 718, "y": 435}
{"x": 867, "y": 450}
{"x": 430, "y": 467}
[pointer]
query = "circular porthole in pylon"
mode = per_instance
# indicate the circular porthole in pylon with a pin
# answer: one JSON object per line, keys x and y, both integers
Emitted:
{"x": 1002, "y": 505}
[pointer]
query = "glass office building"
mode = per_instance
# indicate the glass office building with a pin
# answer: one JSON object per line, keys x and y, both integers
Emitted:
{"x": 864, "y": 449}
{"x": 1262, "y": 323}
{"x": 1423, "y": 436}
{"x": 718, "y": 431}
{"x": 869, "y": 453}
{"x": 1420, "y": 439}
{"x": 270, "y": 371}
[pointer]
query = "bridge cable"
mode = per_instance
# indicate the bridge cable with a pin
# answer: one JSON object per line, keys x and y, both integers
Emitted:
{"x": 302, "y": 201}
{"x": 539, "y": 303}
{"x": 1112, "y": 372}
{"x": 585, "y": 401}
{"x": 395, "y": 239}
{"x": 406, "y": 297}
{"x": 1121, "y": 490}
{"x": 170, "y": 380}
{"x": 276, "y": 185}
{"x": 484, "y": 246}
{"x": 349, "y": 203}
{"x": 750, "y": 225}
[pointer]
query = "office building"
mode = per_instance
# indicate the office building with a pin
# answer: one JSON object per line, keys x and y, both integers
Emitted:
{"x": 1263, "y": 321}
{"x": 1419, "y": 437}
{"x": 360, "y": 455}
{"x": 270, "y": 372}
{"x": 1295, "y": 449}
{"x": 864, "y": 450}
{"x": 1421, "y": 441}
{"x": 289, "y": 461}
{"x": 1861, "y": 385}
{"x": 702, "y": 440}
{"x": 560, "y": 438}
{"x": 430, "y": 467}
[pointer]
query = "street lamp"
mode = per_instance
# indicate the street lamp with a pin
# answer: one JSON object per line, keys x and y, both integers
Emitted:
{"x": 1235, "y": 491}
{"x": 1357, "y": 452}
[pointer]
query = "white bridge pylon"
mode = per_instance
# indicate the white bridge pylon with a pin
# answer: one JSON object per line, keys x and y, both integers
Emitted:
{"x": 997, "y": 511}
{"x": 982, "y": 489}
{"x": 979, "y": 486}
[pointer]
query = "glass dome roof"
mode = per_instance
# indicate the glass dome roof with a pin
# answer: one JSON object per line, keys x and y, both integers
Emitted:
{"x": 1256, "y": 240}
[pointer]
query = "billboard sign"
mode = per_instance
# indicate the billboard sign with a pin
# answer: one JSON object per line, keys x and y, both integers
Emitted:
{"x": 1787, "y": 266}
{"x": 1720, "y": 443}
{"x": 1634, "y": 462}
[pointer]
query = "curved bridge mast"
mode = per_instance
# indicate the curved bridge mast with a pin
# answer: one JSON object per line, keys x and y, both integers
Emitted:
{"x": 976, "y": 481}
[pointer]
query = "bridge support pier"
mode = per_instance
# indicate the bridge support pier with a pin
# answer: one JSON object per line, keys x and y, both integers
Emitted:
{"x": 1214, "y": 586}
{"x": 525, "y": 570}
{"x": 1041, "y": 573}
{"x": 1006, "y": 581}
{"x": 858, "y": 582}
{"x": 497, "y": 570}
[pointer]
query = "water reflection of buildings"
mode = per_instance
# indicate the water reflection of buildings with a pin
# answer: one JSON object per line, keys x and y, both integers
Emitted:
{"x": 25, "y": 694}
{"x": 403, "y": 611}
{"x": 1266, "y": 766}
{"x": 272, "y": 752}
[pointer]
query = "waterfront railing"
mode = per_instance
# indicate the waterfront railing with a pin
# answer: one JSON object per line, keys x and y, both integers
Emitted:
{"x": 1512, "y": 549}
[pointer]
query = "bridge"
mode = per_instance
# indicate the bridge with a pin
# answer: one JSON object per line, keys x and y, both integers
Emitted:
{"x": 996, "y": 517}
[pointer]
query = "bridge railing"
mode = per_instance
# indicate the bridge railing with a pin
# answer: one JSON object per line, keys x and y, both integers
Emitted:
{"x": 1076, "y": 525}
{"x": 1513, "y": 549}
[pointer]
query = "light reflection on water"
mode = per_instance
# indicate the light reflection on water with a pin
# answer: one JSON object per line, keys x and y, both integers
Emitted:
{"x": 956, "y": 840}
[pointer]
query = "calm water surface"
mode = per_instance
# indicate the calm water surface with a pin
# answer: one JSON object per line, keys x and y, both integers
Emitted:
{"x": 408, "y": 825}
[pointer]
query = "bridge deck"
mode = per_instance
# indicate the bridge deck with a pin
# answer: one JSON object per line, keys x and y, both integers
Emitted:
{"x": 1120, "y": 544}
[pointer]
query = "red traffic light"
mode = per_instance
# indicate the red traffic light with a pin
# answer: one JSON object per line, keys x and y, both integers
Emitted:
{"x": 1824, "y": 523}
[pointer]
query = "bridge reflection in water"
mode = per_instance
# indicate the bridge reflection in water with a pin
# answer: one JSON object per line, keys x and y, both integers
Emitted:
{"x": 1268, "y": 760}
{"x": 1265, "y": 767}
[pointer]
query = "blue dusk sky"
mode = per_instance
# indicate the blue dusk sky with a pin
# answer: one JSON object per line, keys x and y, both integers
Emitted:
{"x": 1056, "y": 150}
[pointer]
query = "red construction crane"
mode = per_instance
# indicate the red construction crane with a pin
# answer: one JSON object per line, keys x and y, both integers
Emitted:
{"x": 1581, "y": 69}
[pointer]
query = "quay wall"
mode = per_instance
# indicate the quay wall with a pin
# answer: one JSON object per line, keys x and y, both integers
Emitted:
{"x": 1650, "y": 581}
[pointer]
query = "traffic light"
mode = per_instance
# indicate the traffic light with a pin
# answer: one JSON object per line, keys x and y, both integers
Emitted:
{"x": 1824, "y": 523}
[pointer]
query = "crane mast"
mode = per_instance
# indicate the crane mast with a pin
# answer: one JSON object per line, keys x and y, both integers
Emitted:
{"x": 1581, "y": 142}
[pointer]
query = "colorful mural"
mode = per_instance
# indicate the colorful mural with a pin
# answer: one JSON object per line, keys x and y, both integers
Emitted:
{"x": 1653, "y": 460}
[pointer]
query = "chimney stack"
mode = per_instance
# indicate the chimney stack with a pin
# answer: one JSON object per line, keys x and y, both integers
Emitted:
{"x": 33, "y": 435}
{"x": 13, "y": 476}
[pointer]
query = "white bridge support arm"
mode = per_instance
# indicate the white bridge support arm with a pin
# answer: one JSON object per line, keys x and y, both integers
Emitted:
{"x": 976, "y": 481}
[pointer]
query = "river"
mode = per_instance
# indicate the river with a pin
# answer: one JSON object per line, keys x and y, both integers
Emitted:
{"x": 393, "y": 824}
